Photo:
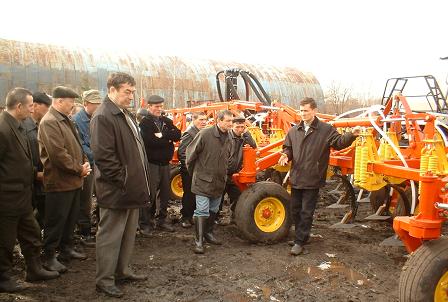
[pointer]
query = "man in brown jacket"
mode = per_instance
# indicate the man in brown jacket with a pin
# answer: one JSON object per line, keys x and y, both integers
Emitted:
{"x": 207, "y": 161}
{"x": 65, "y": 166}
{"x": 122, "y": 183}
{"x": 16, "y": 181}
{"x": 308, "y": 145}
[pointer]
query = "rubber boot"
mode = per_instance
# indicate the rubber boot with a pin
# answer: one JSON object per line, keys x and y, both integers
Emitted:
{"x": 199, "y": 226}
{"x": 52, "y": 264}
{"x": 208, "y": 234}
{"x": 8, "y": 285}
{"x": 35, "y": 271}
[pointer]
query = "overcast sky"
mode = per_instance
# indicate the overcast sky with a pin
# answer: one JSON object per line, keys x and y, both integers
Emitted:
{"x": 357, "y": 43}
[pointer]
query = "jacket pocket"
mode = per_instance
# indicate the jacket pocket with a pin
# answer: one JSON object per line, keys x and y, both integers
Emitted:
{"x": 125, "y": 181}
{"x": 206, "y": 177}
{"x": 12, "y": 187}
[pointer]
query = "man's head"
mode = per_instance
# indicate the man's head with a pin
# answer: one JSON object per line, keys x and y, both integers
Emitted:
{"x": 121, "y": 89}
{"x": 308, "y": 109}
{"x": 19, "y": 103}
{"x": 41, "y": 104}
{"x": 91, "y": 100}
{"x": 239, "y": 125}
{"x": 64, "y": 99}
{"x": 155, "y": 105}
{"x": 224, "y": 120}
{"x": 199, "y": 119}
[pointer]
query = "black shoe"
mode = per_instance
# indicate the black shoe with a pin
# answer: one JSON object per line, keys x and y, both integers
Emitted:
{"x": 164, "y": 226}
{"x": 291, "y": 243}
{"x": 131, "y": 277}
{"x": 145, "y": 232}
{"x": 35, "y": 271}
{"x": 52, "y": 264}
{"x": 111, "y": 291}
{"x": 68, "y": 254}
{"x": 88, "y": 241}
{"x": 185, "y": 223}
{"x": 296, "y": 250}
{"x": 8, "y": 285}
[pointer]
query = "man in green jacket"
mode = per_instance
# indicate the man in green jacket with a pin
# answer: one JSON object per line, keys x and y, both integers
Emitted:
{"x": 207, "y": 162}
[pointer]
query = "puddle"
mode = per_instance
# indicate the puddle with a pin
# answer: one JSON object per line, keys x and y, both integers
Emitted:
{"x": 330, "y": 270}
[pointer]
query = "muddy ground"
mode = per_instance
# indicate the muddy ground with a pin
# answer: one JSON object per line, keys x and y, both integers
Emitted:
{"x": 341, "y": 265}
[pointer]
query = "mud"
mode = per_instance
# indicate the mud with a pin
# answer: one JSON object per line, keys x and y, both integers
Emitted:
{"x": 345, "y": 264}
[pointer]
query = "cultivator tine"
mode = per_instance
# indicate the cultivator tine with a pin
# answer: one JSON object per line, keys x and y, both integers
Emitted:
{"x": 379, "y": 215}
{"x": 363, "y": 200}
{"x": 392, "y": 241}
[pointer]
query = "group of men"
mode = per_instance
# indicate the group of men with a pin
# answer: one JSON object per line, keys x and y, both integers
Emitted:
{"x": 50, "y": 163}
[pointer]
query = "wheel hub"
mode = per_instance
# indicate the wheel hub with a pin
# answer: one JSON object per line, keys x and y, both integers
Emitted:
{"x": 267, "y": 213}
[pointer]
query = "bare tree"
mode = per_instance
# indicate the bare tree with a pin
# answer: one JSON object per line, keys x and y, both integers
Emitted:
{"x": 337, "y": 98}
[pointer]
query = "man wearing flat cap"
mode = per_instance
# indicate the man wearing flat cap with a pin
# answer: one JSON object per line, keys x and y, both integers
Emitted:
{"x": 159, "y": 135}
{"x": 65, "y": 167}
{"x": 91, "y": 100}
{"x": 41, "y": 104}
{"x": 239, "y": 137}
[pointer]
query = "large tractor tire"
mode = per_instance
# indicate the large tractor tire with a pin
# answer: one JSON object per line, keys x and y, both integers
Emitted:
{"x": 262, "y": 213}
{"x": 176, "y": 190}
{"x": 425, "y": 275}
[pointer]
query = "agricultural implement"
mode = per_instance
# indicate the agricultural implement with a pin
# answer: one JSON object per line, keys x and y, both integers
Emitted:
{"x": 400, "y": 158}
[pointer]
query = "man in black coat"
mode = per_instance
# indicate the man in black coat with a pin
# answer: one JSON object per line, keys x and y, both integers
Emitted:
{"x": 41, "y": 104}
{"x": 159, "y": 135}
{"x": 122, "y": 183}
{"x": 199, "y": 121}
{"x": 16, "y": 182}
{"x": 308, "y": 146}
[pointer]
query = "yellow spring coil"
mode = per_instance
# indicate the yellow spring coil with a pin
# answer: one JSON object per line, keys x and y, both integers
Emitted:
{"x": 363, "y": 175}
{"x": 424, "y": 161}
{"x": 357, "y": 161}
{"x": 433, "y": 164}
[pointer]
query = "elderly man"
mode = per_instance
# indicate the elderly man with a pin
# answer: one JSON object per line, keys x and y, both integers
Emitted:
{"x": 159, "y": 135}
{"x": 41, "y": 104}
{"x": 91, "y": 100}
{"x": 207, "y": 162}
{"x": 122, "y": 183}
{"x": 65, "y": 167}
{"x": 16, "y": 180}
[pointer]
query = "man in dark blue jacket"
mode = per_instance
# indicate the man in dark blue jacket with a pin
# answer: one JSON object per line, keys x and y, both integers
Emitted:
{"x": 159, "y": 135}
{"x": 91, "y": 99}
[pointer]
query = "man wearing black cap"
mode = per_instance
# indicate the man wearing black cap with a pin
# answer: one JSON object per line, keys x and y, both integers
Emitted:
{"x": 41, "y": 104}
{"x": 239, "y": 138}
{"x": 159, "y": 135}
{"x": 65, "y": 167}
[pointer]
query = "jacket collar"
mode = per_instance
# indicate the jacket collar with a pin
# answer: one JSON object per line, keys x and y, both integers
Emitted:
{"x": 216, "y": 131}
{"x": 114, "y": 109}
{"x": 314, "y": 124}
{"x": 83, "y": 115}
{"x": 59, "y": 116}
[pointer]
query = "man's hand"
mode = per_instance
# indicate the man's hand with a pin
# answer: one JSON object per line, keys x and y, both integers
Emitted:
{"x": 86, "y": 169}
{"x": 283, "y": 160}
{"x": 40, "y": 176}
{"x": 356, "y": 131}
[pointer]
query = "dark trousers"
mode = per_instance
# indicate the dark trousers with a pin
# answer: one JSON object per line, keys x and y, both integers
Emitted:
{"x": 84, "y": 219}
{"x": 61, "y": 214}
{"x": 159, "y": 188}
{"x": 189, "y": 198}
{"x": 39, "y": 208}
{"x": 303, "y": 203}
{"x": 23, "y": 227}
{"x": 233, "y": 192}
